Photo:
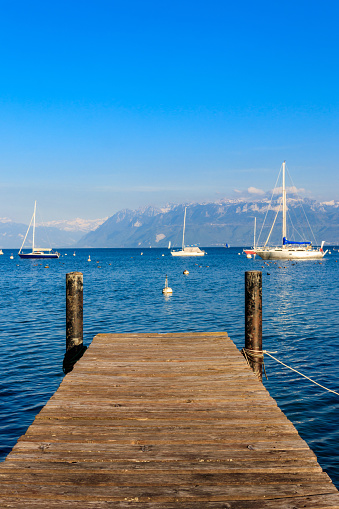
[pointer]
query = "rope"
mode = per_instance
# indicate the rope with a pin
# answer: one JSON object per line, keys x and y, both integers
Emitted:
{"x": 308, "y": 378}
{"x": 269, "y": 207}
{"x": 254, "y": 356}
{"x": 268, "y": 238}
{"x": 302, "y": 208}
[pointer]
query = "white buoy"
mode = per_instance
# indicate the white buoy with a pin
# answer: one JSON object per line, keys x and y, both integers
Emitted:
{"x": 89, "y": 259}
{"x": 185, "y": 272}
{"x": 162, "y": 255}
{"x": 11, "y": 257}
{"x": 141, "y": 254}
{"x": 166, "y": 289}
{"x": 248, "y": 256}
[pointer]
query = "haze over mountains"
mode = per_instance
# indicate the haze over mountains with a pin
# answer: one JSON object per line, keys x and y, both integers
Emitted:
{"x": 53, "y": 233}
{"x": 215, "y": 224}
{"x": 207, "y": 224}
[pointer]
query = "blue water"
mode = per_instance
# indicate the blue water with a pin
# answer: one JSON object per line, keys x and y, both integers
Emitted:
{"x": 123, "y": 292}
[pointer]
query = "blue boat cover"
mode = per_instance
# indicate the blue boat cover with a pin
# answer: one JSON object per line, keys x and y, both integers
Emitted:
{"x": 285, "y": 241}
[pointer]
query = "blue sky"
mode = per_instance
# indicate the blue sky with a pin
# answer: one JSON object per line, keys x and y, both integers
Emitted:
{"x": 118, "y": 104}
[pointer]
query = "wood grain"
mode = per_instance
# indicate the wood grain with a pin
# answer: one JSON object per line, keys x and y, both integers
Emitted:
{"x": 163, "y": 420}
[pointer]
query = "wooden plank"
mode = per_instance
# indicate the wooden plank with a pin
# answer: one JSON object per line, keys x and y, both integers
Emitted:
{"x": 313, "y": 501}
{"x": 158, "y": 478}
{"x": 163, "y": 420}
{"x": 286, "y": 466}
{"x": 163, "y": 494}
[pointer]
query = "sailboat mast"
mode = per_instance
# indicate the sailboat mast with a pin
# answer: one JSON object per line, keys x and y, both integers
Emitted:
{"x": 183, "y": 231}
{"x": 33, "y": 226}
{"x": 255, "y": 228}
{"x": 284, "y": 203}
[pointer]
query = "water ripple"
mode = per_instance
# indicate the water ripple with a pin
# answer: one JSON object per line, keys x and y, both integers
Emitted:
{"x": 122, "y": 293}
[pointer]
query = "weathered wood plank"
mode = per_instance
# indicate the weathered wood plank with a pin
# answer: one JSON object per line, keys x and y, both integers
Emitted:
{"x": 158, "y": 478}
{"x": 313, "y": 501}
{"x": 163, "y": 420}
{"x": 162, "y": 494}
{"x": 286, "y": 466}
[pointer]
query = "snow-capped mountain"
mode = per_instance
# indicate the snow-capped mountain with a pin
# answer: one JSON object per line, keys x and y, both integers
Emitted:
{"x": 75, "y": 225}
{"x": 59, "y": 233}
{"x": 213, "y": 224}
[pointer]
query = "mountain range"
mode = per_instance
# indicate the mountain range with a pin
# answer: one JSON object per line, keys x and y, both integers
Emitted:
{"x": 207, "y": 224}
{"x": 215, "y": 224}
{"x": 52, "y": 234}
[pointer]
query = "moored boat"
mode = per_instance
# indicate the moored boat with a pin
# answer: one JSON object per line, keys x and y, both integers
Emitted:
{"x": 36, "y": 252}
{"x": 289, "y": 250}
{"x": 187, "y": 250}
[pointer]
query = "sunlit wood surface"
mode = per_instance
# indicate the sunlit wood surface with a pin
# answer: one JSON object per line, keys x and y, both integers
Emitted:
{"x": 163, "y": 421}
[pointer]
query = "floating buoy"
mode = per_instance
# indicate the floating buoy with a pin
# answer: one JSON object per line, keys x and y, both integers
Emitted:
{"x": 11, "y": 257}
{"x": 166, "y": 289}
{"x": 141, "y": 254}
{"x": 248, "y": 256}
{"x": 162, "y": 255}
{"x": 185, "y": 272}
{"x": 89, "y": 259}
{"x": 46, "y": 267}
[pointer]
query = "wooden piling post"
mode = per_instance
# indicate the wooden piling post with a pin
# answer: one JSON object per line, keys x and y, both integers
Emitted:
{"x": 74, "y": 320}
{"x": 74, "y": 309}
{"x": 253, "y": 320}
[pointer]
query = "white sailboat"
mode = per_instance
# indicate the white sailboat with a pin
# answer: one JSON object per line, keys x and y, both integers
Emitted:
{"x": 289, "y": 250}
{"x": 187, "y": 251}
{"x": 36, "y": 252}
{"x": 250, "y": 252}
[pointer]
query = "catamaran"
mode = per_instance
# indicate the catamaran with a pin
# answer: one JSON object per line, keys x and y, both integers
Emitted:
{"x": 289, "y": 250}
{"x": 36, "y": 252}
{"x": 187, "y": 250}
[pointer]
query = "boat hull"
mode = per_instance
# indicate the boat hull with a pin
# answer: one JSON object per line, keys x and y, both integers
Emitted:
{"x": 290, "y": 254}
{"x": 39, "y": 255}
{"x": 178, "y": 253}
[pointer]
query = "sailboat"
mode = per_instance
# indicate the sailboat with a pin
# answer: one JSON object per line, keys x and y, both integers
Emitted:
{"x": 36, "y": 252}
{"x": 187, "y": 251}
{"x": 289, "y": 250}
{"x": 250, "y": 252}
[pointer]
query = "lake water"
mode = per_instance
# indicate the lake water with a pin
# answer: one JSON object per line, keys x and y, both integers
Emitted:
{"x": 123, "y": 293}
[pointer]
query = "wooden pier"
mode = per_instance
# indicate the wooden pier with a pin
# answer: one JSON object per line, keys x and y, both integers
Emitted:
{"x": 163, "y": 421}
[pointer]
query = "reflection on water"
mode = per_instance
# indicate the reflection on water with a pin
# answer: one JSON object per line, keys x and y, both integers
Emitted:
{"x": 123, "y": 293}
